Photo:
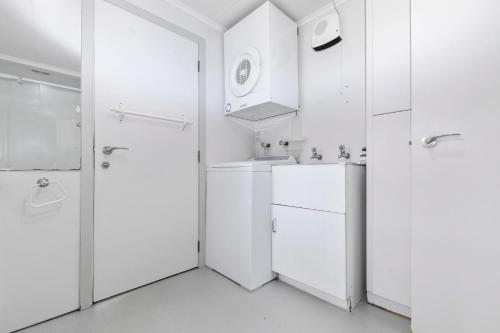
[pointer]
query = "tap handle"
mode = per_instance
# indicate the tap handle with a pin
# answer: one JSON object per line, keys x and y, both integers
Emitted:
{"x": 315, "y": 154}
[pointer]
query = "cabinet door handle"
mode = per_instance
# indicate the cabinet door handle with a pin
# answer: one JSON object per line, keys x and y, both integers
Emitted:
{"x": 274, "y": 224}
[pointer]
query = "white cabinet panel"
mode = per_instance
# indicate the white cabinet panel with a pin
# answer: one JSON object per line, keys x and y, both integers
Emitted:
{"x": 320, "y": 187}
{"x": 238, "y": 236}
{"x": 39, "y": 248}
{"x": 229, "y": 226}
{"x": 388, "y": 56}
{"x": 309, "y": 247}
{"x": 455, "y": 200}
{"x": 389, "y": 226}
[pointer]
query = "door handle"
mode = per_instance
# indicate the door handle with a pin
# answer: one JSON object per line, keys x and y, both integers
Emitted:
{"x": 431, "y": 141}
{"x": 274, "y": 224}
{"x": 108, "y": 150}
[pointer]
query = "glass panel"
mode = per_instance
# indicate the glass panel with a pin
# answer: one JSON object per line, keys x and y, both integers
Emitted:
{"x": 39, "y": 126}
{"x": 40, "y": 56}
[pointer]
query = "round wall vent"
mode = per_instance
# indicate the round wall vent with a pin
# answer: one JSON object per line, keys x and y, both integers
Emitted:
{"x": 245, "y": 70}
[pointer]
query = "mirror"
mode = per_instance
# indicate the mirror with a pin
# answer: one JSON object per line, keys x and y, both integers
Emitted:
{"x": 40, "y": 57}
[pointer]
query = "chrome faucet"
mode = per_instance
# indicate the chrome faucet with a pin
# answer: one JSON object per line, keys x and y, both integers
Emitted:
{"x": 316, "y": 155}
{"x": 266, "y": 146}
{"x": 344, "y": 153}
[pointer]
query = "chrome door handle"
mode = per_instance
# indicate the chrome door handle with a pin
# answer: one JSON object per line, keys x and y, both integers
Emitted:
{"x": 431, "y": 141}
{"x": 274, "y": 224}
{"x": 108, "y": 150}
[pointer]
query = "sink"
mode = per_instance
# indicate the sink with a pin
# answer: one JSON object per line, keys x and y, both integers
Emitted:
{"x": 272, "y": 158}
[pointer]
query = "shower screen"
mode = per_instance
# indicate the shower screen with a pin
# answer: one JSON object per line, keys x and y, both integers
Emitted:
{"x": 39, "y": 125}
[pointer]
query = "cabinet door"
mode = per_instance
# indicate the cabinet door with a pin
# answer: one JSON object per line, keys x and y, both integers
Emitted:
{"x": 456, "y": 202}
{"x": 389, "y": 209}
{"x": 320, "y": 187}
{"x": 309, "y": 247}
{"x": 388, "y": 56}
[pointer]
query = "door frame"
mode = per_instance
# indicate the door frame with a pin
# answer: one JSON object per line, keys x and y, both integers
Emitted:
{"x": 88, "y": 139}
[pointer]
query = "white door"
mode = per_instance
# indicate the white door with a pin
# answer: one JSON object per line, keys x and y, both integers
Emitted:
{"x": 146, "y": 201}
{"x": 456, "y": 183}
{"x": 309, "y": 246}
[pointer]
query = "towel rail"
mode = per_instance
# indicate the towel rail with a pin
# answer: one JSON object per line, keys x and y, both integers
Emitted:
{"x": 121, "y": 112}
{"x": 43, "y": 183}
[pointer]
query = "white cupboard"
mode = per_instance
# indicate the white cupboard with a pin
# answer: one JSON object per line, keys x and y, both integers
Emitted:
{"x": 455, "y": 201}
{"x": 305, "y": 234}
{"x": 318, "y": 242}
{"x": 388, "y": 105}
{"x": 388, "y": 55}
{"x": 388, "y": 221}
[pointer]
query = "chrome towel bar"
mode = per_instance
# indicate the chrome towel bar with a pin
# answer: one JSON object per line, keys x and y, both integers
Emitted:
{"x": 121, "y": 112}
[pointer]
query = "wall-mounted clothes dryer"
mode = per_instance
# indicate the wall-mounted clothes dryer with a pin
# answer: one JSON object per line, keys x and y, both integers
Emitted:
{"x": 261, "y": 65}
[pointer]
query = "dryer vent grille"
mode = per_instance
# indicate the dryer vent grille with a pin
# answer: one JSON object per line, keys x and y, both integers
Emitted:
{"x": 243, "y": 71}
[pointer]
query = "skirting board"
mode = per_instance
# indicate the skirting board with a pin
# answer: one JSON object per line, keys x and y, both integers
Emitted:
{"x": 341, "y": 303}
{"x": 389, "y": 305}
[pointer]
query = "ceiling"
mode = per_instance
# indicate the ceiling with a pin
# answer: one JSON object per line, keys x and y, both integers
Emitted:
{"x": 47, "y": 33}
{"x": 41, "y": 33}
{"x": 227, "y": 13}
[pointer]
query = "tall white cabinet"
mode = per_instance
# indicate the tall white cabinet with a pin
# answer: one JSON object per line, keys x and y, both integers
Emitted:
{"x": 455, "y": 200}
{"x": 389, "y": 151}
{"x": 388, "y": 223}
{"x": 388, "y": 56}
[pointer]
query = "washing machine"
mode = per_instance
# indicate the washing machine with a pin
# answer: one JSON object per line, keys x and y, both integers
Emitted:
{"x": 238, "y": 225}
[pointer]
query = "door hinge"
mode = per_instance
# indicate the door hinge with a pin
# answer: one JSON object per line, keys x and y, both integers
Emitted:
{"x": 198, "y": 246}
{"x": 199, "y": 66}
{"x": 199, "y": 156}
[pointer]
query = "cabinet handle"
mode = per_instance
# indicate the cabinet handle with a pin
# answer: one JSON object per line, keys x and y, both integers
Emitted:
{"x": 274, "y": 224}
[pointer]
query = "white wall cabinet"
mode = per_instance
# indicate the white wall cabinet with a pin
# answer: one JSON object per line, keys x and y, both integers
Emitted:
{"x": 319, "y": 230}
{"x": 388, "y": 56}
{"x": 388, "y": 224}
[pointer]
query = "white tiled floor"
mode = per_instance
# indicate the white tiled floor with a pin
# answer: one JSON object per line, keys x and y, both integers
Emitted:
{"x": 203, "y": 301}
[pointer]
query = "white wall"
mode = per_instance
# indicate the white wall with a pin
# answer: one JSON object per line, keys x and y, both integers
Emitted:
{"x": 332, "y": 90}
{"x": 225, "y": 140}
{"x": 332, "y": 114}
